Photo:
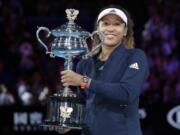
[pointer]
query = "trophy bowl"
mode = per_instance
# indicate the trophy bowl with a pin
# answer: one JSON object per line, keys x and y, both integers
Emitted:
{"x": 65, "y": 108}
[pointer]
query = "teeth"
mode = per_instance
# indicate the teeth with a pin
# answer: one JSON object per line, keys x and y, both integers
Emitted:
{"x": 109, "y": 36}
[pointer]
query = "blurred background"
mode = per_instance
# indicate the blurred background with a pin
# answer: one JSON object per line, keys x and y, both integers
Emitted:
{"x": 28, "y": 76}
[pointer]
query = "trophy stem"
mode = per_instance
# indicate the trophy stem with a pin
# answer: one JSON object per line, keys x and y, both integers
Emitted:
{"x": 68, "y": 65}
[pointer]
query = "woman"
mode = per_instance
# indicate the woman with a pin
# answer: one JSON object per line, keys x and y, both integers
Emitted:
{"x": 112, "y": 78}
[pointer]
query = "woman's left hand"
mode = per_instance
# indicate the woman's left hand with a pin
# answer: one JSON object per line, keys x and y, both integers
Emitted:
{"x": 70, "y": 78}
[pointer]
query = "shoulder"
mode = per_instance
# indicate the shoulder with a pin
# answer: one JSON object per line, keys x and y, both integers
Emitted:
{"x": 137, "y": 53}
{"x": 139, "y": 57}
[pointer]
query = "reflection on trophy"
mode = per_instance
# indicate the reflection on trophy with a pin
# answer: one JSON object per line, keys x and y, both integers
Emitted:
{"x": 66, "y": 108}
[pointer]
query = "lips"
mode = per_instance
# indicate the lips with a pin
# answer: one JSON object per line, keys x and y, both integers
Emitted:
{"x": 109, "y": 35}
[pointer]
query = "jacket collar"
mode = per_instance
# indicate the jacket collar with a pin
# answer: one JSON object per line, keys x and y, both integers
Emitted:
{"x": 118, "y": 50}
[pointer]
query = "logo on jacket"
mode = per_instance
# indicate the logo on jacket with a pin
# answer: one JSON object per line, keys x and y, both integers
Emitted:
{"x": 134, "y": 65}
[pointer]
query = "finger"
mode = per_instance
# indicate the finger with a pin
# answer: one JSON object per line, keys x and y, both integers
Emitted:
{"x": 63, "y": 72}
{"x": 65, "y": 84}
{"x": 66, "y": 75}
{"x": 63, "y": 77}
{"x": 65, "y": 81}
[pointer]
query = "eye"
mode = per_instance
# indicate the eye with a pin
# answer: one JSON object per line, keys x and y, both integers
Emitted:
{"x": 117, "y": 24}
{"x": 105, "y": 23}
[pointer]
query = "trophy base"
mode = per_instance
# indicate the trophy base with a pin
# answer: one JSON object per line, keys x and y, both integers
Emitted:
{"x": 55, "y": 125}
{"x": 64, "y": 111}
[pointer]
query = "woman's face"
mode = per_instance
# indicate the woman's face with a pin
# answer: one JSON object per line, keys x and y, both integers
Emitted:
{"x": 113, "y": 28}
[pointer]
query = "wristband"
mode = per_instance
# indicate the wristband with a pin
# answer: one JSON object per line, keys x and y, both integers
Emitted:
{"x": 83, "y": 85}
{"x": 84, "y": 82}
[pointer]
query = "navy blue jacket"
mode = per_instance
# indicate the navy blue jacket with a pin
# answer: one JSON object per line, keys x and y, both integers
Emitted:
{"x": 112, "y": 100}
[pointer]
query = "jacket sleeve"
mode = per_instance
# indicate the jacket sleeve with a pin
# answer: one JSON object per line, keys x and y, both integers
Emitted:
{"x": 80, "y": 66}
{"x": 128, "y": 88}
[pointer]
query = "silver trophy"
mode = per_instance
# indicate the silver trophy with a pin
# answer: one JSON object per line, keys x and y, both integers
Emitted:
{"x": 66, "y": 108}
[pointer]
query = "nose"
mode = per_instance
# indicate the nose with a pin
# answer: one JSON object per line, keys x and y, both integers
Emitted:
{"x": 110, "y": 28}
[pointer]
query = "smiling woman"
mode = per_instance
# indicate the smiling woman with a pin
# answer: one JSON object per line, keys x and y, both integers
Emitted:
{"x": 112, "y": 78}
{"x": 114, "y": 30}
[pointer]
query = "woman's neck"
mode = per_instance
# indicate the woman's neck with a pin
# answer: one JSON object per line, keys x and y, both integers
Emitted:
{"x": 106, "y": 52}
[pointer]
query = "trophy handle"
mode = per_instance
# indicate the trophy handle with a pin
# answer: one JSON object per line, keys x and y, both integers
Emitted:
{"x": 37, "y": 35}
{"x": 101, "y": 37}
